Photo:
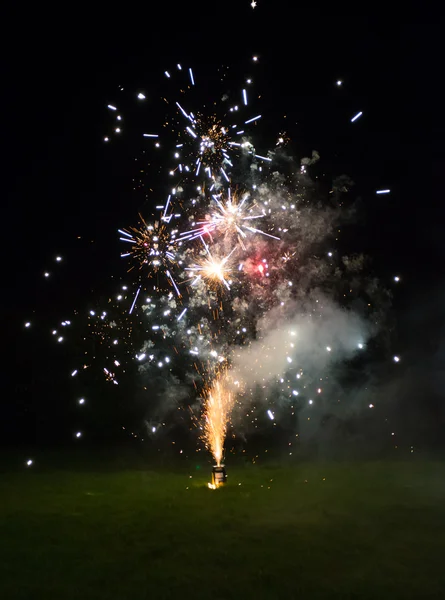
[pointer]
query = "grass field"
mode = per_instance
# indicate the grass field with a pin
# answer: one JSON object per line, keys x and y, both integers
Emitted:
{"x": 364, "y": 530}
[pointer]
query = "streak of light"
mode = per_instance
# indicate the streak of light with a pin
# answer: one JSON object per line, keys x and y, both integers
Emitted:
{"x": 134, "y": 301}
{"x": 262, "y": 232}
{"x": 225, "y": 174}
{"x": 166, "y": 205}
{"x": 125, "y": 233}
{"x": 253, "y": 119}
{"x": 182, "y": 314}
{"x": 173, "y": 282}
{"x": 357, "y": 116}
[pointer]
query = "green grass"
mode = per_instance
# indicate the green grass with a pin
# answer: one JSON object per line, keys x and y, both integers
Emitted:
{"x": 364, "y": 530}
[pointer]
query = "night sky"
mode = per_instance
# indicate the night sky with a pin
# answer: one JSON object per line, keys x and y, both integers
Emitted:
{"x": 60, "y": 182}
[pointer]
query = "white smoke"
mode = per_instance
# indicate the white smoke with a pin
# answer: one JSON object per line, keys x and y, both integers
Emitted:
{"x": 300, "y": 337}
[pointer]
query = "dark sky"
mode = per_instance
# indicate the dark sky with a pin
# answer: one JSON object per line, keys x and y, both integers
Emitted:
{"x": 59, "y": 182}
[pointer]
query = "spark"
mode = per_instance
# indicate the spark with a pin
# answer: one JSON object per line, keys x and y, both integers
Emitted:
{"x": 182, "y": 314}
{"x": 134, "y": 301}
{"x": 397, "y": 279}
{"x": 152, "y": 248}
{"x": 28, "y": 324}
{"x": 383, "y": 191}
{"x": 225, "y": 174}
{"x": 253, "y": 119}
{"x": 263, "y": 233}
{"x": 357, "y": 116}
{"x": 231, "y": 217}
{"x": 167, "y": 205}
{"x": 81, "y": 401}
{"x": 29, "y": 462}
{"x": 218, "y": 403}
{"x": 141, "y": 96}
{"x": 263, "y": 157}
{"x": 185, "y": 115}
{"x": 270, "y": 415}
{"x": 213, "y": 270}
{"x": 111, "y": 107}
{"x": 396, "y": 359}
{"x": 173, "y": 282}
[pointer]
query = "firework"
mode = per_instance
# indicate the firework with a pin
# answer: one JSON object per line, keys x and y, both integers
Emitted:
{"x": 266, "y": 235}
{"x": 152, "y": 248}
{"x": 214, "y": 140}
{"x": 214, "y": 271}
{"x": 218, "y": 404}
{"x": 231, "y": 217}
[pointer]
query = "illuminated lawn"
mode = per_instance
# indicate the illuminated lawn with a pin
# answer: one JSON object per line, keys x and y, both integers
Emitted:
{"x": 370, "y": 530}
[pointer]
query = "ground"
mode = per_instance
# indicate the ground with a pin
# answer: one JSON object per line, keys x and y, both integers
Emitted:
{"x": 355, "y": 530}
